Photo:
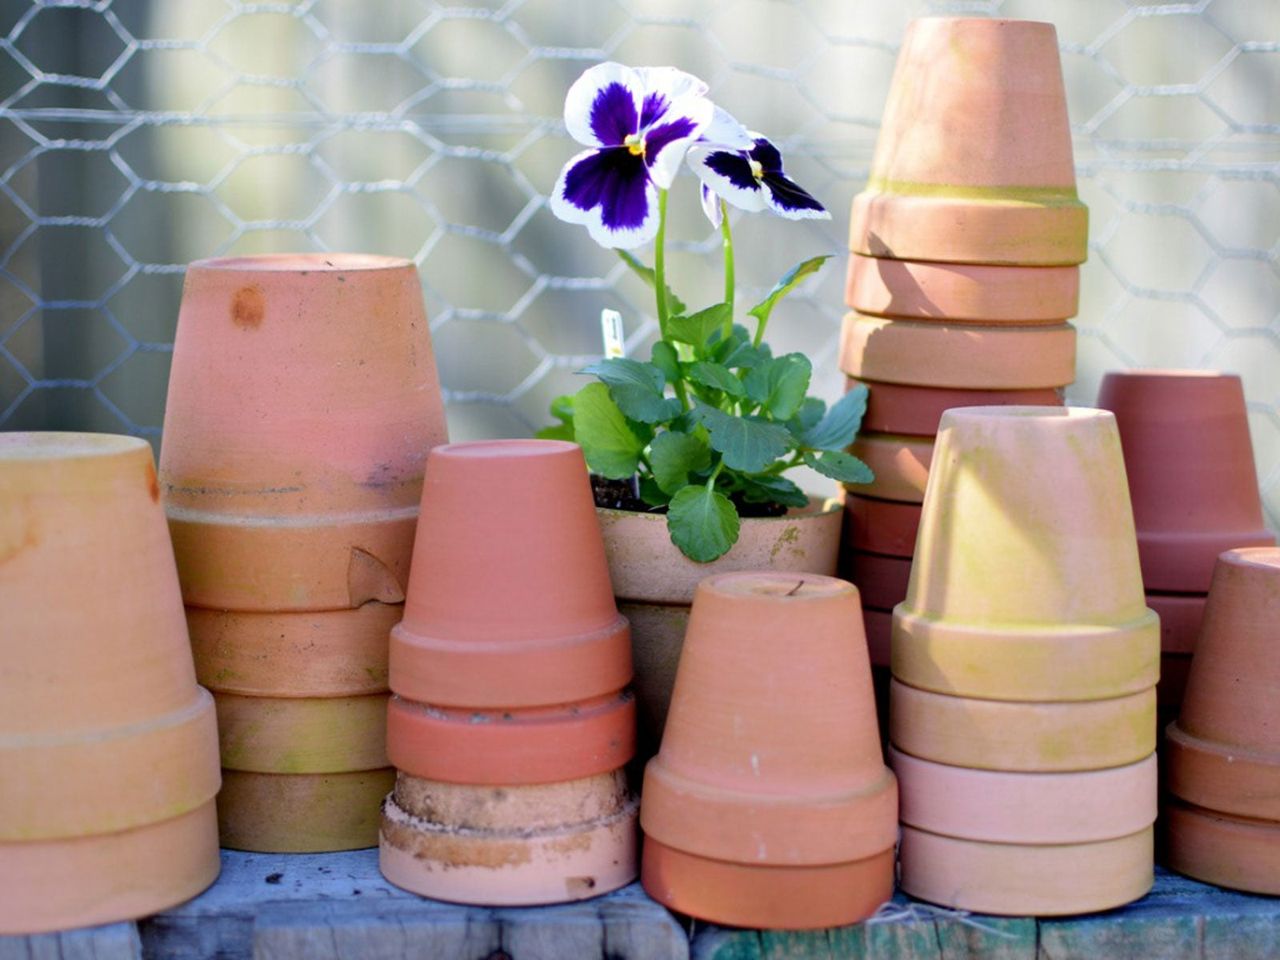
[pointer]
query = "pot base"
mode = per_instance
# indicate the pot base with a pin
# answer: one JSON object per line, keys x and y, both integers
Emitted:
{"x": 770, "y": 897}
{"x": 1227, "y": 851}
{"x": 301, "y": 813}
{"x": 48, "y": 885}
{"x": 1231, "y": 780}
{"x": 1008, "y": 879}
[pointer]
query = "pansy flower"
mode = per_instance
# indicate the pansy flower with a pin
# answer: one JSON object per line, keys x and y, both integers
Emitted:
{"x": 750, "y": 178}
{"x": 638, "y": 124}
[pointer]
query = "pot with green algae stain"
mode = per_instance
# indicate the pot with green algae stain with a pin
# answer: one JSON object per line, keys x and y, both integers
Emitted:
{"x": 654, "y": 582}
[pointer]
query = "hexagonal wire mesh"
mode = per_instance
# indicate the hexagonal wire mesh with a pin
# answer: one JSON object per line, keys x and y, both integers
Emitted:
{"x": 139, "y": 135}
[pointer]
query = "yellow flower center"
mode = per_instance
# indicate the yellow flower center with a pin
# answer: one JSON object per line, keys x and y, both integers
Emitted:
{"x": 757, "y": 169}
{"x": 635, "y": 143}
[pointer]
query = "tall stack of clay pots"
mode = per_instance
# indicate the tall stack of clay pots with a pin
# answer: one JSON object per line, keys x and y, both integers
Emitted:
{"x": 1024, "y": 663}
{"x": 302, "y": 403}
{"x": 963, "y": 271}
{"x": 511, "y": 721}
{"x": 769, "y": 804}
{"x": 1223, "y": 759}
{"x": 108, "y": 749}
{"x": 1195, "y": 494}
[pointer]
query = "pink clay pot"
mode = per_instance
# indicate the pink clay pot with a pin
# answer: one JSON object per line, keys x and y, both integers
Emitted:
{"x": 900, "y": 465}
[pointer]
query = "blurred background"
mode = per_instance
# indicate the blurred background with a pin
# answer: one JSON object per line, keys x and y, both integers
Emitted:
{"x": 137, "y": 135}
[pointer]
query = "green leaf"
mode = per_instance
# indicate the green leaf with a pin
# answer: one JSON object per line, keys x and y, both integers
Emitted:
{"x": 717, "y": 377}
{"x": 841, "y": 466}
{"x": 611, "y": 447}
{"x": 772, "y": 489}
{"x": 665, "y": 358}
{"x": 636, "y": 388}
{"x": 558, "y": 431}
{"x": 779, "y": 385}
{"x": 702, "y": 523}
{"x": 784, "y": 286}
{"x": 562, "y": 410}
{"x": 836, "y": 430}
{"x": 807, "y": 417}
{"x": 652, "y": 494}
{"x": 738, "y": 351}
{"x": 674, "y": 303}
{"x": 696, "y": 329}
{"x": 747, "y": 445}
{"x": 674, "y": 456}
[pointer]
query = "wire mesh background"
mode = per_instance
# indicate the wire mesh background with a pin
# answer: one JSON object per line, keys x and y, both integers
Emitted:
{"x": 137, "y": 135}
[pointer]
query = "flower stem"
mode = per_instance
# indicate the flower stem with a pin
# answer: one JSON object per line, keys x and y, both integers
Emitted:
{"x": 727, "y": 234}
{"x": 660, "y": 264}
{"x": 711, "y": 480}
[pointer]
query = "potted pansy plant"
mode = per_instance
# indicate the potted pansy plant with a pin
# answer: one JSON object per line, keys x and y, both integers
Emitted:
{"x": 706, "y": 428}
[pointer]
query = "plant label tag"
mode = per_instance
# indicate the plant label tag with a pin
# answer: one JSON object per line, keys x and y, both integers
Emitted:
{"x": 615, "y": 344}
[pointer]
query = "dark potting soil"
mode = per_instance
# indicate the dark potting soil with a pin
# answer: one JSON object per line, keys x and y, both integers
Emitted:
{"x": 621, "y": 495}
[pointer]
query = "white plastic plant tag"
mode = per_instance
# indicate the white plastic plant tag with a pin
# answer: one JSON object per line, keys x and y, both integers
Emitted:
{"x": 611, "y": 329}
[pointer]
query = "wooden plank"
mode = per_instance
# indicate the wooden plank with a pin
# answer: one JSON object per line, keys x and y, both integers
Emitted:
{"x": 113, "y": 941}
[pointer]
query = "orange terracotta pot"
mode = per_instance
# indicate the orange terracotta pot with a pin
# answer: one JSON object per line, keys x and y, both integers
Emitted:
{"x": 302, "y": 402}
{"x": 556, "y": 636}
{"x": 91, "y": 610}
{"x": 882, "y": 581}
{"x": 900, "y": 464}
{"x": 896, "y": 408}
{"x": 549, "y": 843}
{"x": 1233, "y": 852}
{"x": 301, "y": 813}
{"x": 1191, "y": 471}
{"x": 880, "y": 526}
{"x": 654, "y": 585}
{"x": 961, "y": 292}
{"x": 949, "y": 355}
{"x": 973, "y": 162}
{"x": 770, "y": 755}
{"x": 303, "y": 734}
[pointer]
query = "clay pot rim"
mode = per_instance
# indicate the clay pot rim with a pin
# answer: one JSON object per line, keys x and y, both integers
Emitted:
{"x": 1254, "y": 558}
{"x": 818, "y": 507}
{"x": 1169, "y": 373}
{"x": 1028, "y": 412}
{"x": 510, "y": 447}
{"x": 993, "y": 21}
{"x": 775, "y": 584}
{"x": 58, "y": 445}
{"x": 309, "y": 262}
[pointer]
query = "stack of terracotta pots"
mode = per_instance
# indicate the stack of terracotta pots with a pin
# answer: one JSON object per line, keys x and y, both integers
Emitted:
{"x": 1223, "y": 759}
{"x": 1195, "y": 494}
{"x": 769, "y": 804}
{"x": 1025, "y": 662}
{"x": 302, "y": 403}
{"x": 511, "y": 721}
{"x": 108, "y": 749}
{"x": 963, "y": 272}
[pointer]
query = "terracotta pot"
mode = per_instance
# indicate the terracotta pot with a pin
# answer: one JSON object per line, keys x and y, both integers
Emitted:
{"x": 961, "y": 292}
{"x": 957, "y": 356}
{"x": 302, "y": 813}
{"x": 900, "y": 463}
{"x": 1175, "y": 668}
{"x": 1228, "y": 851}
{"x": 654, "y": 585}
{"x": 303, "y": 734}
{"x": 973, "y": 162}
{"x": 880, "y": 526}
{"x": 1181, "y": 615}
{"x": 129, "y": 745}
{"x": 895, "y": 408}
{"x": 1026, "y": 547}
{"x": 879, "y": 627}
{"x": 302, "y": 402}
{"x": 882, "y": 581}
{"x": 770, "y": 757}
{"x": 1191, "y": 471}
{"x": 1224, "y": 750}
{"x": 331, "y": 653}
{"x": 1014, "y": 879}
{"x": 510, "y": 845}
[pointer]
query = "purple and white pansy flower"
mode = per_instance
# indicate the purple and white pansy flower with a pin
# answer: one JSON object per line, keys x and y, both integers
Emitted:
{"x": 749, "y": 177}
{"x": 638, "y": 124}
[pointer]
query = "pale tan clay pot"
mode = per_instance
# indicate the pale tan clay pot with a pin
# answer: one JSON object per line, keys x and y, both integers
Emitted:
{"x": 302, "y": 812}
{"x": 961, "y": 292}
{"x": 769, "y": 802}
{"x": 654, "y": 585}
{"x": 120, "y": 767}
{"x": 1191, "y": 471}
{"x": 1025, "y": 584}
{"x": 954, "y": 355}
{"x": 898, "y": 408}
{"x": 900, "y": 465}
{"x": 973, "y": 163}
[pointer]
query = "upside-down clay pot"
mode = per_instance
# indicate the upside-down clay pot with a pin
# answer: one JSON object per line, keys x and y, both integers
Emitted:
{"x": 769, "y": 803}
{"x": 880, "y": 526}
{"x": 882, "y": 581}
{"x": 917, "y": 411}
{"x": 1191, "y": 471}
{"x": 973, "y": 163}
{"x": 510, "y": 671}
{"x": 654, "y": 585}
{"x": 900, "y": 465}
{"x": 108, "y": 748}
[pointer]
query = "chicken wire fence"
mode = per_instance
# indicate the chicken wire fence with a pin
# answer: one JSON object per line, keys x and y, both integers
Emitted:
{"x": 137, "y": 135}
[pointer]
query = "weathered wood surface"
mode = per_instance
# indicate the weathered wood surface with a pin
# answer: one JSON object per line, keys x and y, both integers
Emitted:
{"x": 115, "y": 941}
{"x": 1179, "y": 920}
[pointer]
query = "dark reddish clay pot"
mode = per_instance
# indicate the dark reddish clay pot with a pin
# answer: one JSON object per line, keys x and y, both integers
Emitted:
{"x": 899, "y": 408}
{"x": 880, "y": 526}
{"x": 881, "y": 580}
{"x": 1192, "y": 477}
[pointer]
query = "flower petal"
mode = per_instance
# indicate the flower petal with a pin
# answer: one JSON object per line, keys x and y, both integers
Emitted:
{"x": 602, "y": 106}
{"x": 788, "y": 199}
{"x": 711, "y": 206}
{"x": 766, "y": 154}
{"x": 662, "y": 85}
{"x": 728, "y": 174}
{"x": 725, "y": 131}
{"x": 666, "y": 143}
{"x": 609, "y": 191}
